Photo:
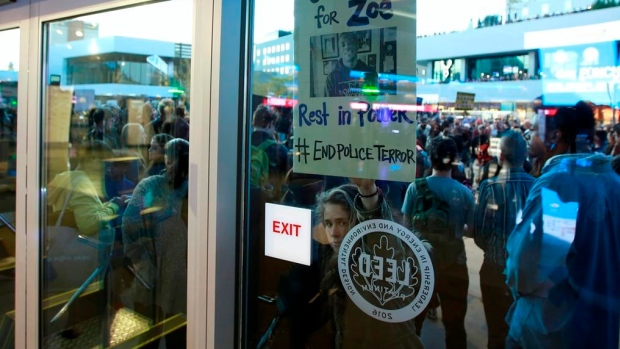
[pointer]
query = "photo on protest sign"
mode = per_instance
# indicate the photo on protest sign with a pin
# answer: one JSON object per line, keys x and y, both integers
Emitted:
{"x": 343, "y": 63}
{"x": 356, "y": 89}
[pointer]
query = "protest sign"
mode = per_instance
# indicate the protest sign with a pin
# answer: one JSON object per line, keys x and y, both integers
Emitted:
{"x": 356, "y": 110}
{"x": 465, "y": 101}
{"x": 494, "y": 146}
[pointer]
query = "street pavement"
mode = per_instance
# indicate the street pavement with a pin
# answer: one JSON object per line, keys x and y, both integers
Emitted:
{"x": 475, "y": 324}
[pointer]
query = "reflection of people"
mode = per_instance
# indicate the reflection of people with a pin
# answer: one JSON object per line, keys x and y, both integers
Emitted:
{"x": 500, "y": 199}
{"x": 563, "y": 265}
{"x": 165, "y": 112}
{"x": 84, "y": 184}
{"x": 263, "y": 137}
{"x": 76, "y": 198}
{"x": 156, "y": 154}
{"x": 339, "y": 82}
{"x": 103, "y": 123}
{"x": 177, "y": 126}
{"x": 155, "y": 239}
{"x": 448, "y": 245}
{"x": 340, "y": 323}
{"x": 565, "y": 138}
{"x": 96, "y": 116}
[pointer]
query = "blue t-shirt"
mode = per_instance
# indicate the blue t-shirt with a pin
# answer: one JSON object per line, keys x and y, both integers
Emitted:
{"x": 457, "y": 195}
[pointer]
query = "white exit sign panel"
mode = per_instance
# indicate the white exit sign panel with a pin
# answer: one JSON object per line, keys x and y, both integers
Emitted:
{"x": 288, "y": 233}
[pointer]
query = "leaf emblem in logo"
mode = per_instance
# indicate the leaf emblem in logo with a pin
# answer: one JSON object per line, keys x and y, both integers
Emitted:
{"x": 382, "y": 275}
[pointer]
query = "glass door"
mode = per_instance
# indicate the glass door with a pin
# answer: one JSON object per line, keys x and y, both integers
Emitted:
{"x": 391, "y": 153}
{"x": 114, "y": 178}
{"x": 9, "y": 70}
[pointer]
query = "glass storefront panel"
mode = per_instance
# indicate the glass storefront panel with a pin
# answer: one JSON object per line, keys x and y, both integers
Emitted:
{"x": 9, "y": 69}
{"x": 515, "y": 67}
{"x": 116, "y": 114}
{"x": 387, "y": 210}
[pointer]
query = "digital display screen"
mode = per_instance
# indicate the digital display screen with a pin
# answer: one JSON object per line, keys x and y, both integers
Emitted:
{"x": 582, "y": 72}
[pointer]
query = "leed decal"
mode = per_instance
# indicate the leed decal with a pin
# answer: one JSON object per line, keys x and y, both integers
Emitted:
{"x": 368, "y": 273}
{"x": 386, "y": 271}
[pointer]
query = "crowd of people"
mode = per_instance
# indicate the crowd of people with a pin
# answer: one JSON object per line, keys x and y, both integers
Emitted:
{"x": 542, "y": 210}
{"x": 125, "y": 190}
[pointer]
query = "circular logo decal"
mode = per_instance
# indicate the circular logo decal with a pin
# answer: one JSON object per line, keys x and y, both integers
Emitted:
{"x": 386, "y": 271}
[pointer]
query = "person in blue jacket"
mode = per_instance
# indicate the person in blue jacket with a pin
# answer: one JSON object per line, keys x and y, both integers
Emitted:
{"x": 563, "y": 265}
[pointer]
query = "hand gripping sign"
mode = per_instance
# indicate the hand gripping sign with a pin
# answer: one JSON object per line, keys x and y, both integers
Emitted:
{"x": 386, "y": 271}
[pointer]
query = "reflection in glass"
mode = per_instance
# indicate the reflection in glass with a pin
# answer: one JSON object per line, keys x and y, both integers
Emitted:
{"x": 475, "y": 86}
{"x": 9, "y": 68}
{"x": 115, "y": 172}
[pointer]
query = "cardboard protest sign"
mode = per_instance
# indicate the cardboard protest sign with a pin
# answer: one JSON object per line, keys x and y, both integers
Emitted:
{"x": 356, "y": 110}
{"x": 465, "y": 101}
{"x": 59, "y": 102}
{"x": 494, "y": 146}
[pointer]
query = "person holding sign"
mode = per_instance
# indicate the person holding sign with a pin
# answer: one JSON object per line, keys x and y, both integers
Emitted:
{"x": 339, "y": 82}
{"x": 325, "y": 316}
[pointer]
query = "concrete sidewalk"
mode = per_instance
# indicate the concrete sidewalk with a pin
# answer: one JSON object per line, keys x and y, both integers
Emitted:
{"x": 475, "y": 323}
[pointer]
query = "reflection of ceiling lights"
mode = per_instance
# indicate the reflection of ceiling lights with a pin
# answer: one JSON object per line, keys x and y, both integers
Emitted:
{"x": 79, "y": 33}
{"x": 69, "y": 46}
{"x": 59, "y": 32}
{"x": 93, "y": 48}
{"x": 123, "y": 64}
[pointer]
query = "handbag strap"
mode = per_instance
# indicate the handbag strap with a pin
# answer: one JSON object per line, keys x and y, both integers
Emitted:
{"x": 67, "y": 199}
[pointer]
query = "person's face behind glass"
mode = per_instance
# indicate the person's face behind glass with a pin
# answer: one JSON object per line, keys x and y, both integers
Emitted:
{"x": 336, "y": 222}
{"x": 156, "y": 152}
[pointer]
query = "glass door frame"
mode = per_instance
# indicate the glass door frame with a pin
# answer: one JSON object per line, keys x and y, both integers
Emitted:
{"x": 16, "y": 17}
{"x": 220, "y": 79}
{"x": 216, "y": 95}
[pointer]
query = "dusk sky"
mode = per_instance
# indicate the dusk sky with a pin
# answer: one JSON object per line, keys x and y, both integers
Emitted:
{"x": 171, "y": 21}
{"x": 432, "y": 16}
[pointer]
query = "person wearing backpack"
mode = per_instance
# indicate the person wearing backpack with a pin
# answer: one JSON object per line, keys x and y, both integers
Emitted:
{"x": 440, "y": 209}
{"x": 269, "y": 159}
